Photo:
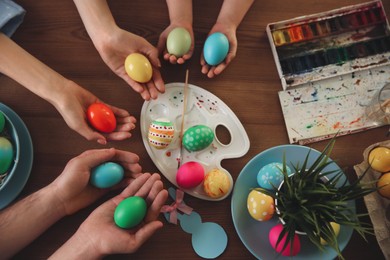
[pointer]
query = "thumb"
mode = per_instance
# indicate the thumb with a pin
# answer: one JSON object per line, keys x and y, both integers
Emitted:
{"x": 92, "y": 135}
{"x": 93, "y": 158}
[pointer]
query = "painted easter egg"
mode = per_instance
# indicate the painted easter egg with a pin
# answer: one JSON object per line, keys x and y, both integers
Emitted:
{"x": 379, "y": 159}
{"x": 260, "y": 206}
{"x": 106, "y": 175}
{"x": 101, "y": 117}
{"x": 215, "y": 48}
{"x": 336, "y": 228}
{"x": 6, "y": 154}
{"x": 273, "y": 238}
{"x": 178, "y": 42}
{"x": 190, "y": 175}
{"x": 138, "y": 68}
{"x": 161, "y": 133}
{"x": 216, "y": 183}
{"x": 130, "y": 212}
{"x": 270, "y": 176}
{"x": 2, "y": 121}
{"x": 197, "y": 138}
{"x": 384, "y": 183}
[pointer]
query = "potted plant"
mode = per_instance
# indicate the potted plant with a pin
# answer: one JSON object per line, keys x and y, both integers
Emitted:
{"x": 313, "y": 197}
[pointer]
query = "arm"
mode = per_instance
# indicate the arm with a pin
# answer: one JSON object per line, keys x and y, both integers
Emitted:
{"x": 98, "y": 235}
{"x": 67, "y": 97}
{"x": 27, "y": 219}
{"x": 180, "y": 15}
{"x": 115, "y": 44}
{"x": 229, "y": 18}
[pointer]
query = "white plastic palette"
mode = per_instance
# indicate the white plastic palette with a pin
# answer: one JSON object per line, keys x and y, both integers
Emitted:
{"x": 203, "y": 108}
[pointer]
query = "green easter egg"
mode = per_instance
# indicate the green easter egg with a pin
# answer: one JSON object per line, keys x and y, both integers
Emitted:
{"x": 2, "y": 122}
{"x": 6, "y": 154}
{"x": 198, "y": 137}
{"x": 130, "y": 212}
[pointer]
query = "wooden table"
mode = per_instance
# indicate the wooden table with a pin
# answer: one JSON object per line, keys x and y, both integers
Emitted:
{"x": 54, "y": 33}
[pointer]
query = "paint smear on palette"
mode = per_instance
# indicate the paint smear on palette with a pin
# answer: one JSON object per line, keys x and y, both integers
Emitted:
{"x": 330, "y": 106}
{"x": 206, "y": 103}
{"x": 176, "y": 98}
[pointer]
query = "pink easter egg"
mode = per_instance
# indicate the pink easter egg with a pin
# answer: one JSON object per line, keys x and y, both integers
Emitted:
{"x": 273, "y": 238}
{"x": 190, "y": 175}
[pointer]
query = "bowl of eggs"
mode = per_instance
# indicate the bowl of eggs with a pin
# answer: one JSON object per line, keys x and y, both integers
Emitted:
{"x": 9, "y": 150}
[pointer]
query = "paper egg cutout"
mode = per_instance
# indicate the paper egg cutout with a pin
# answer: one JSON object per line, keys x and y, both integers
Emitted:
{"x": 161, "y": 133}
{"x": 106, "y": 175}
{"x": 2, "y": 121}
{"x": 130, "y": 212}
{"x": 138, "y": 68}
{"x": 197, "y": 138}
{"x": 215, "y": 48}
{"x": 270, "y": 176}
{"x": 216, "y": 183}
{"x": 273, "y": 238}
{"x": 6, "y": 154}
{"x": 190, "y": 175}
{"x": 101, "y": 117}
{"x": 178, "y": 42}
{"x": 260, "y": 206}
{"x": 379, "y": 159}
{"x": 336, "y": 229}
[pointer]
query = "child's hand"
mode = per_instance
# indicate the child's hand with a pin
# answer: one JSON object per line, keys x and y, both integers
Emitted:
{"x": 230, "y": 33}
{"x": 162, "y": 48}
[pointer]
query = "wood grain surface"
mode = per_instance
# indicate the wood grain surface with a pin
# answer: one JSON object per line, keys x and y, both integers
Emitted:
{"x": 54, "y": 33}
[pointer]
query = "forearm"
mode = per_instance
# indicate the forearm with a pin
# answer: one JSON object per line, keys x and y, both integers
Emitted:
{"x": 76, "y": 248}
{"x": 21, "y": 223}
{"x": 97, "y": 18}
{"x": 180, "y": 11}
{"x": 28, "y": 71}
{"x": 233, "y": 11}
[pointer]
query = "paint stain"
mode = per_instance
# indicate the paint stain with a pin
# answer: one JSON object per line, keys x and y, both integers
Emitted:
{"x": 355, "y": 121}
{"x": 168, "y": 154}
{"x": 337, "y": 125}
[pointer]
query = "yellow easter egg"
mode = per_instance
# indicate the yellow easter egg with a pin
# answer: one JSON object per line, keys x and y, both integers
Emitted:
{"x": 336, "y": 229}
{"x": 216, "y": 183}
{"x": 260, "y": 206}
{"x": 379, "y": 159}
{"x": 384, "y": 183}
{"x": 138, "y": 68}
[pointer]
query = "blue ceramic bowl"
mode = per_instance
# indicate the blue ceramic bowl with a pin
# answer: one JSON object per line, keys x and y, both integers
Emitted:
{"x": 11, "y": 133}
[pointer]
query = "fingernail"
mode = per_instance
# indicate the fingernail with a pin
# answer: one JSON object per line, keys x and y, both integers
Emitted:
{"x": 102, "y": 141}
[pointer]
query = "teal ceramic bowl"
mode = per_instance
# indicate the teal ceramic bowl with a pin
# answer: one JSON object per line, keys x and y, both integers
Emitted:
{"x": 10, "y": 133}
{"x": 254, "y": 234}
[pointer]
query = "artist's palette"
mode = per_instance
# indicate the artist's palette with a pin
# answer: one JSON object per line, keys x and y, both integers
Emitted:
{"x": 202, "y": 108}
{"x": 331, "y": 66}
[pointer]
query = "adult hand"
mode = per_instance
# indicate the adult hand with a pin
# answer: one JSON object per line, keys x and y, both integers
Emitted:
{"x": 230, "y": 33}
{"x": 98, "y": 235}
{"x": 72, "y": 103}
{"x": 162, "y": 48}
{"x": 72, "y": 187}
{"x": 118, "y": 46}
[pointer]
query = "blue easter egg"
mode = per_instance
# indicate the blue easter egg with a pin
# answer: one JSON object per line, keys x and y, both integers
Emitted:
{"x": 215, "y": 48}
{"x": 106, "y": 175}
{"x": 270, "y": 175}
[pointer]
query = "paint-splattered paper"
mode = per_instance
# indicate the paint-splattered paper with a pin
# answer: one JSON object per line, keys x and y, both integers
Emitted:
{"x": 317, "y": 110}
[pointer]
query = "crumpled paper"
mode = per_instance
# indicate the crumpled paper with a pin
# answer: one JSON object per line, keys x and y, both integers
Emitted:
{"x": 378, "y": 207}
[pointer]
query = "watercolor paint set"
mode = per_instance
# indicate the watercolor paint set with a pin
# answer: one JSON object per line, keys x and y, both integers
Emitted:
{"x": 331, "y": 66}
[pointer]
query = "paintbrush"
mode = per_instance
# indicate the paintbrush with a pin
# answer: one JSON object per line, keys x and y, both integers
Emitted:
{"x": 179, "y": 160}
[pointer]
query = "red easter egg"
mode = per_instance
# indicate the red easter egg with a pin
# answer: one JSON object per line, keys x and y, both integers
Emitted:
{"x": 273, "y": 238}
{"x": 190, "y": 175}
{"x": 101, "y": 117}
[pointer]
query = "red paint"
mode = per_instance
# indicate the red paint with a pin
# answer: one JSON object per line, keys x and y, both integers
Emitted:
{"x": 168, "y": 154}
{"x": 337, "y": 125}
{"x": 307, "y": 33}
{"x": 355, "y": 121}
{"x": 296, "y": 34}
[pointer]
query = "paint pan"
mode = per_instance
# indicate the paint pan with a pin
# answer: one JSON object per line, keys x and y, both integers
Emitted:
{"x": 325, "y": 45}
